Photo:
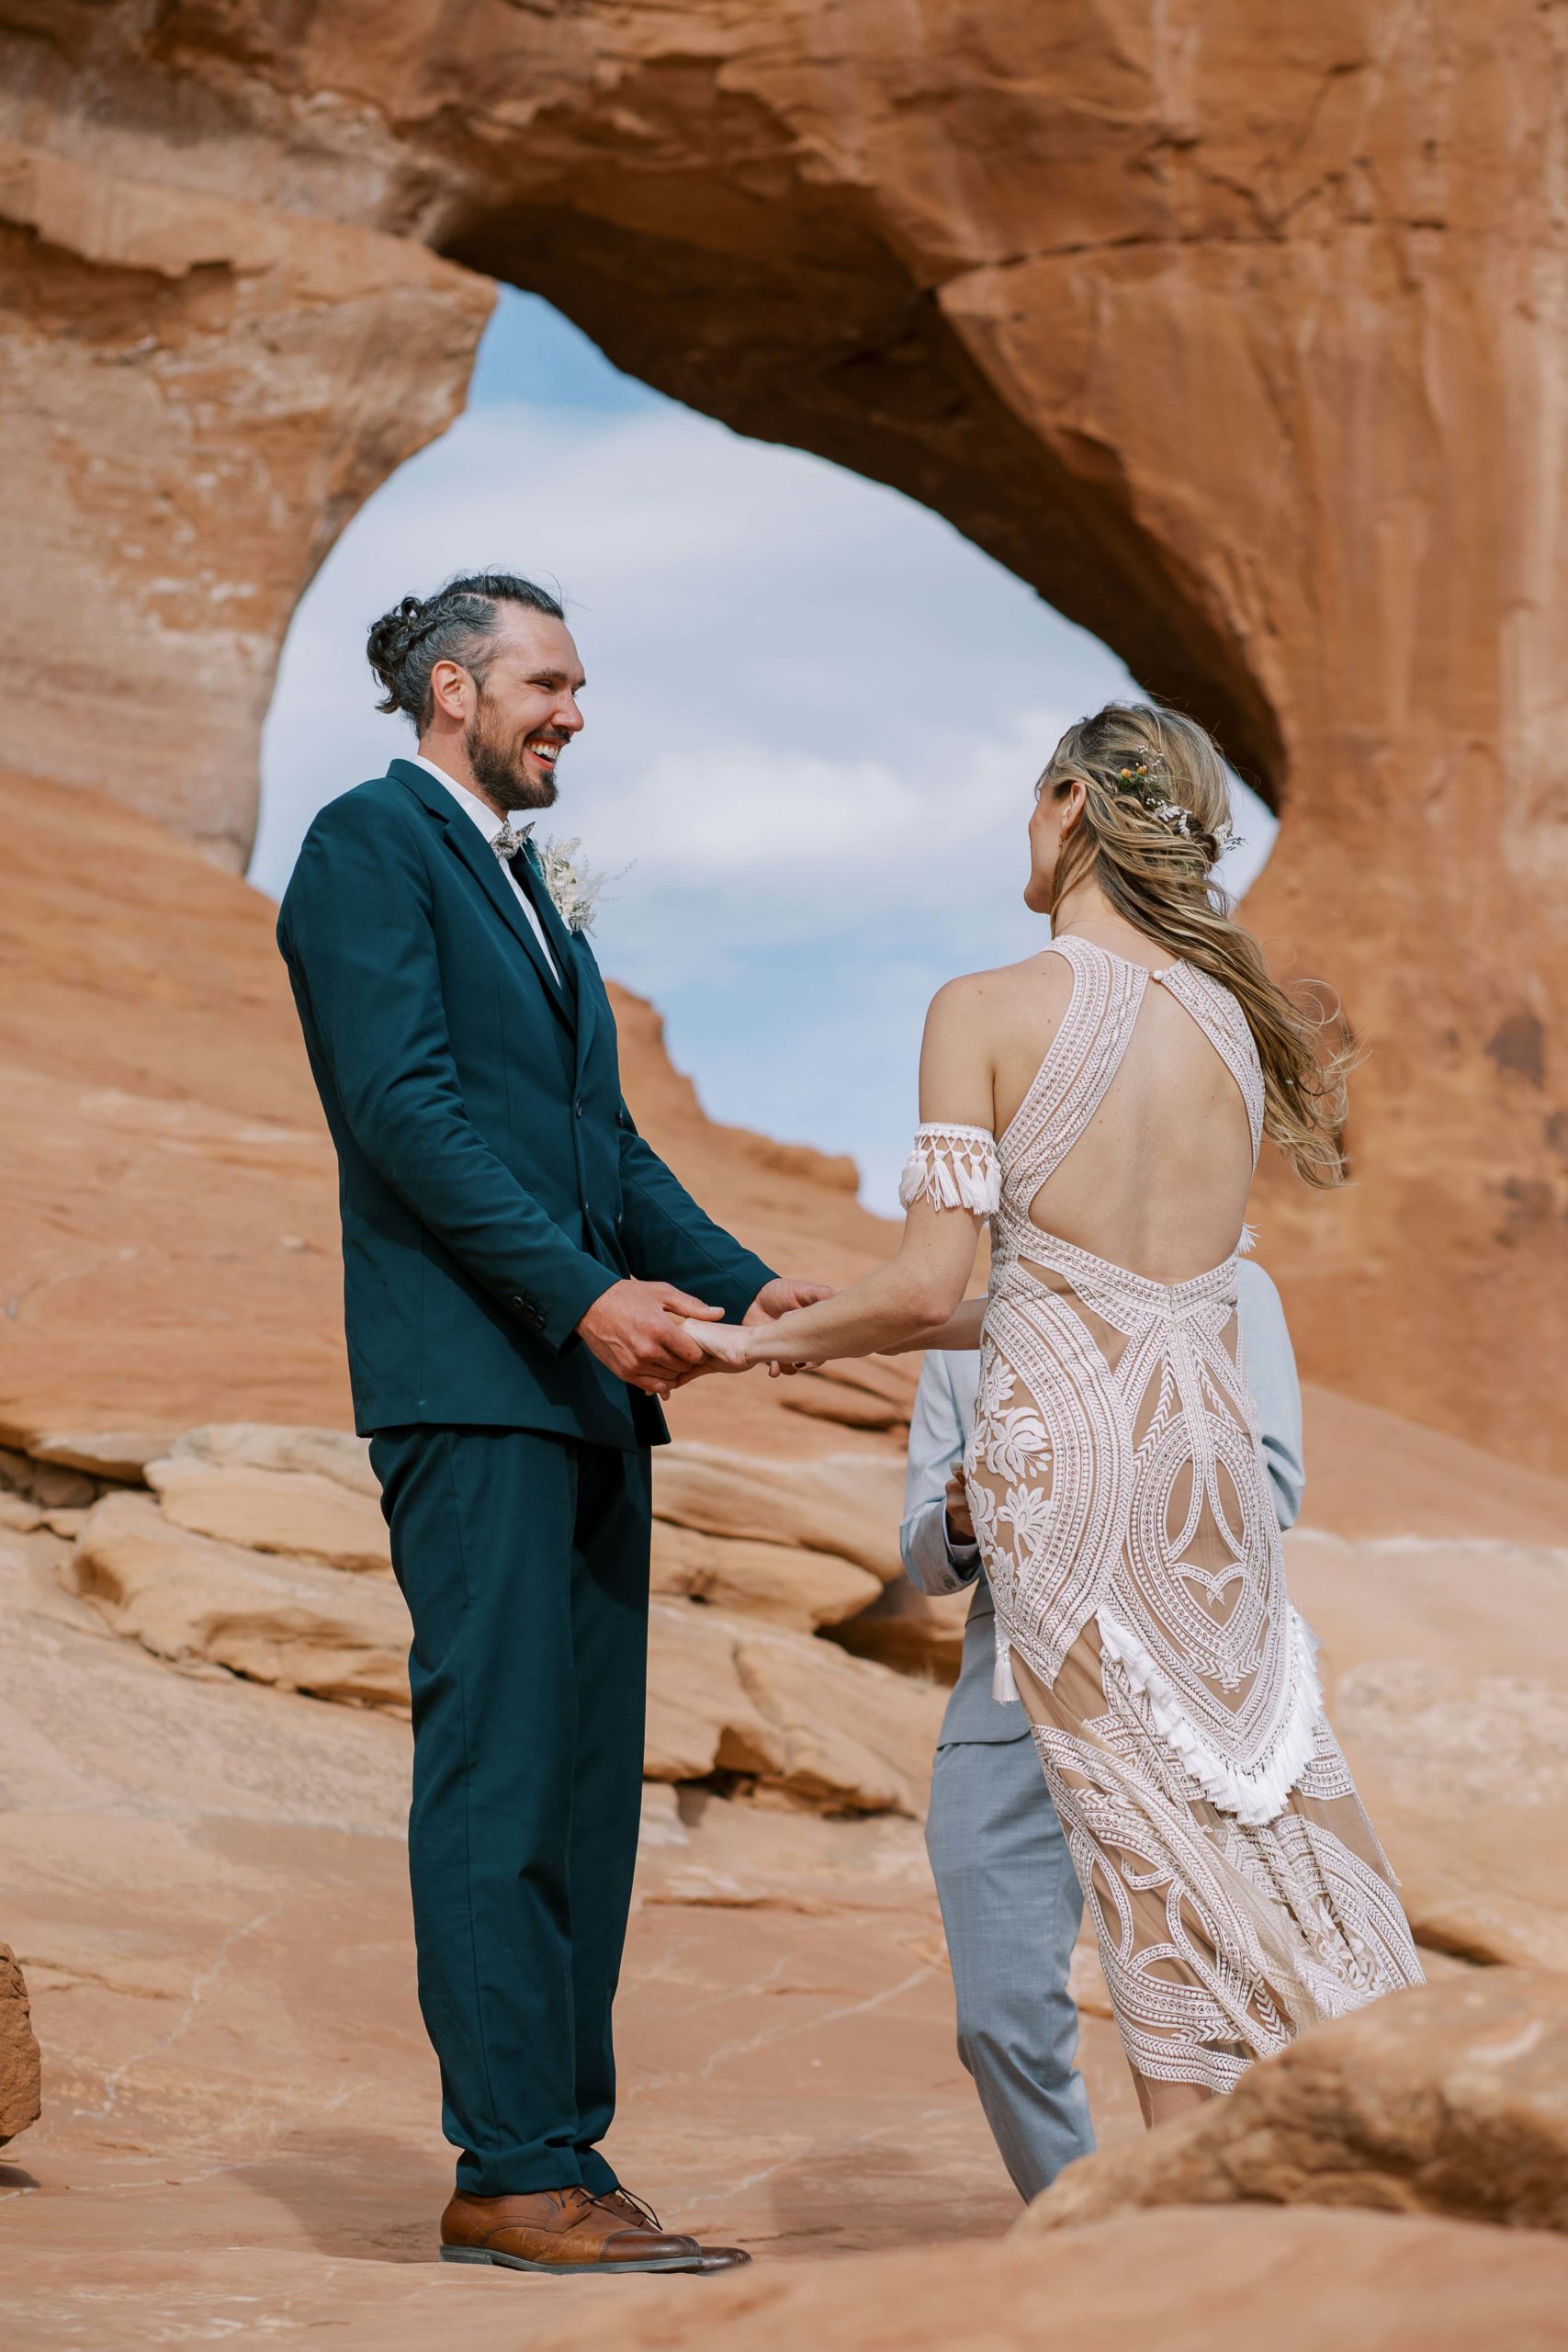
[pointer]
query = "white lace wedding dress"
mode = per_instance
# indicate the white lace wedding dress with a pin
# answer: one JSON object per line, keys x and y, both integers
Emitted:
{"x": 1126, "y": 1522}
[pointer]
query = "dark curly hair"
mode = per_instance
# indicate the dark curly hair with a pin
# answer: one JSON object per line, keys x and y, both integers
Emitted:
{"x": 405, "y": 644}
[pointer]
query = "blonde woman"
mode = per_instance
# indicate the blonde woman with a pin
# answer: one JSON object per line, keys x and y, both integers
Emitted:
{"x": 1101, "y": 1105}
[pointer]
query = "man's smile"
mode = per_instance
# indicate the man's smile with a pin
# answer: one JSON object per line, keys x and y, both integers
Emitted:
{"x": 546, "y": 748}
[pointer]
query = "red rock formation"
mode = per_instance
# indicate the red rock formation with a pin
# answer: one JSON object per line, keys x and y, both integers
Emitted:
{"x": 168, "y": 1208}
{"x": 1452, "y": 2099}
{"x": 1236, "y": 331}
{"x": 197, "y": 395}
{"x": 20, "y": 2068}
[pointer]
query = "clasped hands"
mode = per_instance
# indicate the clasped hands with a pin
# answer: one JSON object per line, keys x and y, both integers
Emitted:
{"x": 656, "y": 1337}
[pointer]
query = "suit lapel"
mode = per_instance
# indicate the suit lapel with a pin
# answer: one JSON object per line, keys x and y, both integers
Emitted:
{"x": 567, "y": 950}
{"x": 471, "y": 847}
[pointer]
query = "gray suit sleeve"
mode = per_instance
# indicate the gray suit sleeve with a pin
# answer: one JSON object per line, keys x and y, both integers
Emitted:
{"x": 936, "y": 1443}
{"x": 1269, "y": 1363}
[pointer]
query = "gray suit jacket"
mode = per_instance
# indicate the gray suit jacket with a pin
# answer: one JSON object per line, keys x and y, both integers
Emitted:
{"x": 944, "y": 1406}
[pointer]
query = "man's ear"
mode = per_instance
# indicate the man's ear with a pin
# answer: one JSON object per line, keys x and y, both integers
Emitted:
{"x": 449, "y": 684}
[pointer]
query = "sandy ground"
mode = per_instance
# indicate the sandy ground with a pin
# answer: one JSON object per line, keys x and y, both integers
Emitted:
{"x": 204, "y": 1881}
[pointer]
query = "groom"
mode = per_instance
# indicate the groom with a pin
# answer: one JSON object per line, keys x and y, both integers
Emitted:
{"x": 517, "y": 1262}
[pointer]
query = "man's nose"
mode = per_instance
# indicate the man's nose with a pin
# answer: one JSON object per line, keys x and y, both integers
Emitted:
{"x": 567, "y": 715}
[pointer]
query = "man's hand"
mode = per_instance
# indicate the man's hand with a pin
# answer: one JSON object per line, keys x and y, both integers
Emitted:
{"x": 960, "y": 1524}
{"x": 779, "y": 1297}
{"x": 635, "y": 1329}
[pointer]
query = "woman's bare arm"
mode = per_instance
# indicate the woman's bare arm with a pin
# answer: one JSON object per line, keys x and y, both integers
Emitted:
{"x": 962, "y": 1330}
{"x": 920, "y": 1290}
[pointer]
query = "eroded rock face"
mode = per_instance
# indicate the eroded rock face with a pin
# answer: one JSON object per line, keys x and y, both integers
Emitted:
{"x": 782, "y": 1582}
{"x": 197, "y": 394}
{"x": 848, "y": 1504}
{"x": 249, "y": 1569}
{"x": 22, "y": 2071}
{"x": 1445, "y": 1667}
{"x": 1450, "y": 2099}
{"x": 167, "y": 1189}
{"x": 1239, "y": 336}
{"x": 293, "y": 1623}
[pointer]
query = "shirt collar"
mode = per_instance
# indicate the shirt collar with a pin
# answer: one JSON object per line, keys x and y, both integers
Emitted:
{"x": 484, "y": 815}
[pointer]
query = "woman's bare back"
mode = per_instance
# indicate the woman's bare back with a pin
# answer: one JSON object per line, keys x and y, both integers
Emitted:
{"x": 1157, "y": 1182}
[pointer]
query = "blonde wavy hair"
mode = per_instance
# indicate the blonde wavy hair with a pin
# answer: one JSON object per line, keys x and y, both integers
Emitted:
{"x": 1156, "y": 815}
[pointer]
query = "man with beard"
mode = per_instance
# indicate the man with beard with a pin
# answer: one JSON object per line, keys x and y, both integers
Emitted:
{"x": 517, "y": 1261}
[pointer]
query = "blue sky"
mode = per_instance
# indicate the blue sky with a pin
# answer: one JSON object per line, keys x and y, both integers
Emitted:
{"x": 815, "y": 715}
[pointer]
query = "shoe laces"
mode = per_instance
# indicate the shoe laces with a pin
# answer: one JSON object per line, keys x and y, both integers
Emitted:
{"x": 649, "y": 2215}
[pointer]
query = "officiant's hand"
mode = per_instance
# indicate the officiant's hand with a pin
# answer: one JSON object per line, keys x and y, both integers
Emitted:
{"x": 635, "y": 1329}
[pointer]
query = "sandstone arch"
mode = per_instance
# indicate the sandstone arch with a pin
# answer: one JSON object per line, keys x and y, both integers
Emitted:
{"x": 1237, "y": 331}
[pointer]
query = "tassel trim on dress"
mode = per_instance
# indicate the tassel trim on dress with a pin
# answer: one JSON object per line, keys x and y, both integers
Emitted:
{"x": 1004, "y": 1686}
{"x": 1254, "y": 1797}
{"x": 953, "y": 1168}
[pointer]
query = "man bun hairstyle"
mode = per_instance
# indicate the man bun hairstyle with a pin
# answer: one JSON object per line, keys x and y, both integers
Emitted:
{"x": 405, "y": 645}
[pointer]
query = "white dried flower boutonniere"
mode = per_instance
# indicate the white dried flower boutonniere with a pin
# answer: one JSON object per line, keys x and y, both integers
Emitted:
{"x": 574, "y": 885}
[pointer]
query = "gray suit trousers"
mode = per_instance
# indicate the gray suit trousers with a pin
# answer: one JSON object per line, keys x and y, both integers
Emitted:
{"x": 1010, "y": 1900}
{"x": 1011, "y": 1905}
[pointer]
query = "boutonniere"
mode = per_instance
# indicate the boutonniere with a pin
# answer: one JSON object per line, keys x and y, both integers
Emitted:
{"x": 574, "y": 885}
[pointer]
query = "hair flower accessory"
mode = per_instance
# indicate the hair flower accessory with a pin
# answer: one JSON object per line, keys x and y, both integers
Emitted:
{"x": 1148, "y": 782}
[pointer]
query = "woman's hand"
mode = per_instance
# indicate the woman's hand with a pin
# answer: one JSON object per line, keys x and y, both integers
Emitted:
{"x": 726, "y": 1345}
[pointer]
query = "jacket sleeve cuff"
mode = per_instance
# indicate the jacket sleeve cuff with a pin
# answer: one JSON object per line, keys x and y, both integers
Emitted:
{"x": 931, "y": 1563}
{"x": 738, "y": 1289}
{"x": 555, "y": 1320}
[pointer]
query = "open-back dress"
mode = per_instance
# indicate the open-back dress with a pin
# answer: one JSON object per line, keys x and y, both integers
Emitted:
{"x": 1127, "y": 1527}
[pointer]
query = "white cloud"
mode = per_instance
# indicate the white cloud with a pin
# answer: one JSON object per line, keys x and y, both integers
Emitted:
{"x": 814, "y": 718}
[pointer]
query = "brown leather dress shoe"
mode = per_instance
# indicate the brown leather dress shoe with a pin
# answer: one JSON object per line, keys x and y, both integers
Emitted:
{"x": 631, "y": 2209}
{"x": 561, "y": 2229}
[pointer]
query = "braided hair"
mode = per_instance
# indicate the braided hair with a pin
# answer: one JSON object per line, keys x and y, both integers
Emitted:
{"x": 1155, "y": 818}
{"x": 405, "y": 644}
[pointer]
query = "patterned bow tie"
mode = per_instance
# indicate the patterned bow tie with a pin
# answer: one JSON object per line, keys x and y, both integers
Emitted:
{"x": 507, "y": 843}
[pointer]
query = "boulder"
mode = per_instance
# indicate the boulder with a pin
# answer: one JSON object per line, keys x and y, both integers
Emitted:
{"x": 293, "y": 1623}
{"x": 334, "y": 1454}
{"x": 844, "y": 1503}
{"x": 862, "y": 1393}
{"x": 1446, "y": 1668}
{"x": 49, "y": 1485}
{"x": 21, "y": 2076}
{"x": 782, "y": 1582}
{"x": 728, "y": 1695}
{"x": 118, "y": 1455}
{"x": 918, "y": 1632}
{"x": 835, "y": 1400}
{"x": 1452, "y": 2099}
{"x": 1176, "y": 2282}
{"x": 299, "y": 1512}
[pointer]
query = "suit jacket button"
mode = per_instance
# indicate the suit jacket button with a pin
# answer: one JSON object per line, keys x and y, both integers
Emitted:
{"x": 577, "y": 1106}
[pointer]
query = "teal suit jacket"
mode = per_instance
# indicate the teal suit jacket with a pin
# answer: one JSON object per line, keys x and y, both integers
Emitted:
{"x": 491, "y": 1180}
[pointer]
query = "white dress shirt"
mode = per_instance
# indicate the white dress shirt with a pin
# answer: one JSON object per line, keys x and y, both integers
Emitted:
{"x": 489, "y": 824}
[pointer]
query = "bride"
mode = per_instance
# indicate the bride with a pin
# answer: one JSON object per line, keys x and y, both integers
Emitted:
{"x": 1101, "y": 1105}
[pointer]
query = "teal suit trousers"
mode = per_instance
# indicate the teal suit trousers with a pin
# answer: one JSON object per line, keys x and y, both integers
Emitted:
{"x": 493, "y": 1185}
{"x": 523, "y": 1559}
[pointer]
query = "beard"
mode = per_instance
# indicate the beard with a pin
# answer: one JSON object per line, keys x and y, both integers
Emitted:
{"x": 499, "y": 767}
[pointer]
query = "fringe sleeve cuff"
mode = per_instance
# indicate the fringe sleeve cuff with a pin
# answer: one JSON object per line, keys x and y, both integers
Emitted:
{"x": 953, "y": 1168}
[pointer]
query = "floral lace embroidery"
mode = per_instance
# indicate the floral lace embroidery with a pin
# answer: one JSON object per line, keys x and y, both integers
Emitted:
{"x": 1124, "y": 1511}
